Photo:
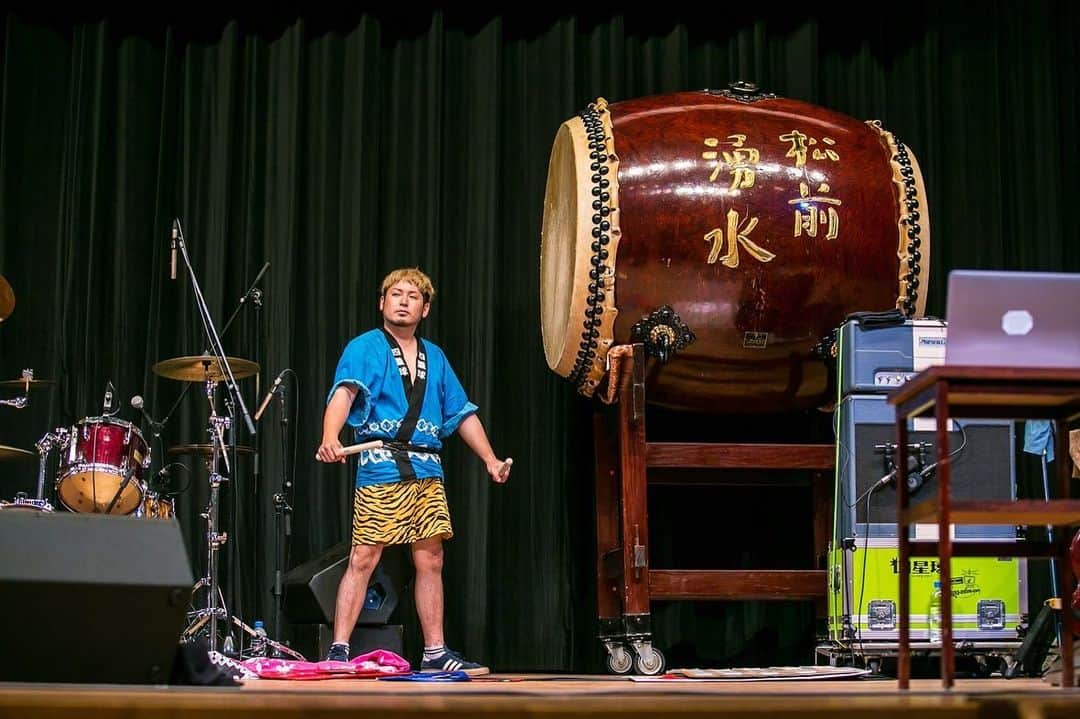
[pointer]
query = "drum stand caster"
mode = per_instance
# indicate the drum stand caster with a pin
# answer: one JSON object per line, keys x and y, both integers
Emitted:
{"x": 648, "y": 660}
{"x": 633, "y": 656}
{"x": 619, "y": 661}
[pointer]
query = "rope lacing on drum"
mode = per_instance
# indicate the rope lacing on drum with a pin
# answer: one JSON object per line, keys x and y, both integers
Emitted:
{"x": 911, "y": 219}
{"x": 601, "y": 237}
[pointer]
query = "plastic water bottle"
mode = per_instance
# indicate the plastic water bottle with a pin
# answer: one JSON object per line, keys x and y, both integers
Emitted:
{"x": 258, "y": 642}
{"x": 934, "y": 615}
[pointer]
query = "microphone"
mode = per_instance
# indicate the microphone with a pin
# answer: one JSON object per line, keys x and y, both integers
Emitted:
{"x": 913, "y": 467}
{"x": 270, "y": 394}
{"x": 106, "y": 403}
{"x": 137, "y": 403}
{"x": 172, "y": 263}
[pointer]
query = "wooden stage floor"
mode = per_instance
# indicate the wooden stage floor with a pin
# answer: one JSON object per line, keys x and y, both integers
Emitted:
{"x": 547, "y": 696}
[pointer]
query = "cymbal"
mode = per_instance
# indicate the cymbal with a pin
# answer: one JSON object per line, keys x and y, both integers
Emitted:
{"x": 204, "y": 450}
{"x": 7, "y": 299}
{"x": 15, "y": 453}
{"x": 34, "y": 383}
{"x": 195, "y": 369}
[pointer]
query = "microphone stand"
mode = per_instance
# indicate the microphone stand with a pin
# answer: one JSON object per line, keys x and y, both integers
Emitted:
{"x": 214, "y": 539}
{"x": 282, "y": 518}
{"x": 155, "y": 432}
{"x": 120, "y": 491}
{"x": 254, "y": 505}
{"x": 212, "y": 334}
{"x": 255, "y": 295}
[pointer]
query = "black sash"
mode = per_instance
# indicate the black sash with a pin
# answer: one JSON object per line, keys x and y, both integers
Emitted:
{"x": 414, "y": 394}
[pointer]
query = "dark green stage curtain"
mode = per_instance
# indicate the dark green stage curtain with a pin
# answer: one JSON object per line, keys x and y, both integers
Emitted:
{"x": 339, "y": 145}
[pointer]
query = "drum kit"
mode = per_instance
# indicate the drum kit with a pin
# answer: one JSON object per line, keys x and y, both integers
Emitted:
{"x": 104, "y": 461}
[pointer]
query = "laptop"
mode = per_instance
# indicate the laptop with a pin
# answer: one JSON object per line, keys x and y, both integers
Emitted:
{"x": 1013, "y": 319}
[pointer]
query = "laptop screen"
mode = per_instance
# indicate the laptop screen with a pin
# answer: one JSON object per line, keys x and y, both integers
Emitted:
{"x": 1013, "y": 319}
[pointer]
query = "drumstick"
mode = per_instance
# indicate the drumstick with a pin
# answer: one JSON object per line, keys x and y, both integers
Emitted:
{"x": 505, "y": 468}
{"x": 357, "y": 448}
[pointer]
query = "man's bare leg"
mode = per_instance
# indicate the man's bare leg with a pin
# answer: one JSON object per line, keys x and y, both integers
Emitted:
{"x": 428, "y": 588}
{"x": 353, "y": 589}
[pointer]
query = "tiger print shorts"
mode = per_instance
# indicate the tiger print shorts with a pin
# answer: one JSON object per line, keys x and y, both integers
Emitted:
{"x": 401, "y": 512}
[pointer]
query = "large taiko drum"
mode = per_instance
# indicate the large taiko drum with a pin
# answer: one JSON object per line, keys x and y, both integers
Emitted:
{"x": 729, "y": 232}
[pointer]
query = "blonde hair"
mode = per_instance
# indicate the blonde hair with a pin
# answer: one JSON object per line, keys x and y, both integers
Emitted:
{"x": 413, "y": 275}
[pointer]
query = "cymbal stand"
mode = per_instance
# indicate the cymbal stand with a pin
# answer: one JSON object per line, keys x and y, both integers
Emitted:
{"x": 20, "y": 402}
{"x": 214, "y": 539}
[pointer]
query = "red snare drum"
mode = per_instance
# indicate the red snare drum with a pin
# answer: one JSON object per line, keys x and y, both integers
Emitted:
{"x": 101, "y": 454}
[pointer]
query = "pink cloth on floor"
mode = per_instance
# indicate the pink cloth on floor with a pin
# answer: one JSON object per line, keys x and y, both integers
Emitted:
{"x": 379, "y": 663}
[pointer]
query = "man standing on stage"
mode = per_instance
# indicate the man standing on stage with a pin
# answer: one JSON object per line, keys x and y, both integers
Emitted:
{"x": 391, "y": 385}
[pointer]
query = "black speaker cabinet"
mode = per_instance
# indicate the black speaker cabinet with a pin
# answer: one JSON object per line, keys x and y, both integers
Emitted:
{"x": 984, "y": 469}
{"x": 311, "y": 588}
{"x": 364, "y": 639}
{"x": 90, "y": 598}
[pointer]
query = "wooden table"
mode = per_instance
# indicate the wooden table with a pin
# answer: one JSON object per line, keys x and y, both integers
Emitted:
{"x": 945, "y": 391}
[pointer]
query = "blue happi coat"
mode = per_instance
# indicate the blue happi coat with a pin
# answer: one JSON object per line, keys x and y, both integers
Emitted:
{"x": 416, "y": 423}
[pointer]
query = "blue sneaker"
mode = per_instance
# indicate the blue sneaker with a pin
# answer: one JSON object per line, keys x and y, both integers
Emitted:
{"x": 338, "y": 653}
{"x": 451, "y": 661}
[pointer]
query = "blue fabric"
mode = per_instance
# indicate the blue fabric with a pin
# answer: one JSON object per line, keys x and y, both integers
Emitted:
{"x": 1039, "y": 437}
{"x": 457, "y": 676}
{"x": 380, "y": 405}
